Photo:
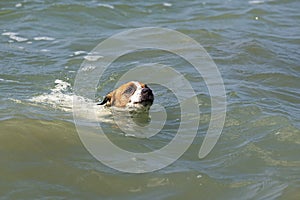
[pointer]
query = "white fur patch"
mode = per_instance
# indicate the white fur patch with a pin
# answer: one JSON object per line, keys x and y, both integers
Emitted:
{"x": 137, "y": 95}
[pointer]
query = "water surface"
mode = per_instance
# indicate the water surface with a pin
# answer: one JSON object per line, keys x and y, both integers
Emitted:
{"x": 255, "y": 45}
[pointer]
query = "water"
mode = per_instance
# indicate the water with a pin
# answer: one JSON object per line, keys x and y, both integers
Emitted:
{"x": 255, "y": 45}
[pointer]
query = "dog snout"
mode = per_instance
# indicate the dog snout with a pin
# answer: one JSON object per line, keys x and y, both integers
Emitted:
{"x": 146, "y": 91}
{"x": 147, "y": 94}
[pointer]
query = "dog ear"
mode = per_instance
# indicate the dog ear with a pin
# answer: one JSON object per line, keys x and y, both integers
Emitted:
{"x": 106, "y": 100}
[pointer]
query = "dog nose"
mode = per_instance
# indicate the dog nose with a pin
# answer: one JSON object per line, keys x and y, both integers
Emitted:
{"x": 147, "y": 95}
{"x": 146, "y": 91}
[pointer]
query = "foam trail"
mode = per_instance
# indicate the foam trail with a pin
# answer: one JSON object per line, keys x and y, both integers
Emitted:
{"x": 58, "y": 98}
{"x": 61, "y": 97}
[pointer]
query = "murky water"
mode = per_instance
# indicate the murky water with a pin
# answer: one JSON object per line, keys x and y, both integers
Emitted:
{"x": 255, "y": 45}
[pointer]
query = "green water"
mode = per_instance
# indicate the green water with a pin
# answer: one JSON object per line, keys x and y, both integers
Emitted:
{"x": 255, "y": 45}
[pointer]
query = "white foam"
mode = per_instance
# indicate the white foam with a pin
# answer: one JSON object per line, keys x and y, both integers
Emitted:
{"x": 9, "y": 33}
{"x": 92, "y": 57}
{"x": 64, "y": 85}
{"x": 14, "y": 36}
{"x": 77, "y": 53}
{"x": 166, "y": 4}
{"x": 43, "y": 38}
{"x": 15, "y": 100}
{"x": 8, "y": 81}
{"x": 18, "y": 38}
{"x": 18, "y": 5}
{"x": 256, "y": 1}
{"x": 89, "y": 111}
{"x": 61, "y": 97}
{"x": 106, "y": 5}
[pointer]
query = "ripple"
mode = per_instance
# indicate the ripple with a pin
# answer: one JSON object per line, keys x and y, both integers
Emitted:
{"x": 15, "y": 37}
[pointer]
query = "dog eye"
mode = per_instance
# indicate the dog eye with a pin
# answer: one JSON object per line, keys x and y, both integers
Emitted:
{"x": 129, "y": 90}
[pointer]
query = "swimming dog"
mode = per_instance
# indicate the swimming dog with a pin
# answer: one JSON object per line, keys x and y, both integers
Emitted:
{"x": 133, "y": 95}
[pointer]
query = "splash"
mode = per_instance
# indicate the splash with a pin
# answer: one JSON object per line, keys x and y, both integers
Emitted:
{"x": 60, "y": 97}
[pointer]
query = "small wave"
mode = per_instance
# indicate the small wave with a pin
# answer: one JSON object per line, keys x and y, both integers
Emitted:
{"x": 256, "y": 1}
{"x": 8, "y": 81}
{"x": 166, "y": 4}
{"x": 15, "y": 100}
{"x": 106, "y": 5}
{"x": 77, "y": 53}
{"x": 259, "y": 1}
{"x": 92, "y": 57}
{"x": 18, "y": 5}
{"x": 14, "y": 36}
{"x": 9, "y": 33}
{"x": 43, "y": 38}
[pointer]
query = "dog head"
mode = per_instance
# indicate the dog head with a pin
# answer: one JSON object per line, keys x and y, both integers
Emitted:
{"x": 130, "y": 95}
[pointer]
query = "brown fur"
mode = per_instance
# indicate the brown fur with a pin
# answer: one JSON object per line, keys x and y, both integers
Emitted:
{"x": 118, "y": 97}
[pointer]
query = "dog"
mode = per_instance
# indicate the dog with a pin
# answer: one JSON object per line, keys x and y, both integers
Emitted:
{"x": 133, "y": 95}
